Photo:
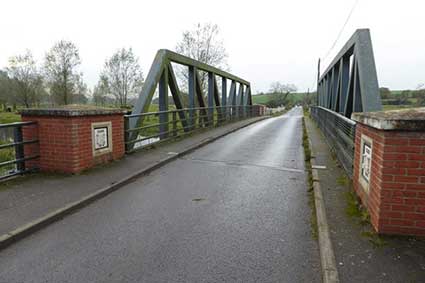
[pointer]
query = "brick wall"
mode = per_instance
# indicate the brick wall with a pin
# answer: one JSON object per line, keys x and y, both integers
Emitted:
{"x": 396, "y": 198}
{"x": 66, "y": 142}
{"x": 258, "y": 110}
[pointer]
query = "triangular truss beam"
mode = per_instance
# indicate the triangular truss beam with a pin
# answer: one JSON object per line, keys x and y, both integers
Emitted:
{"x": 350, "y": 83}
{"x": 161, "y": 74}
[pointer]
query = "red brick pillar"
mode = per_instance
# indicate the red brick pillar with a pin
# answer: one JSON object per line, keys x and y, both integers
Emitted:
{"x": 258, "y": 110}
{"x": 389, "y": 169}
{"x": 73, "y": 139}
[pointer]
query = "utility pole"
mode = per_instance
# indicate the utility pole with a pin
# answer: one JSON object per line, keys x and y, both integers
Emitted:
{"x": 318, "y": 79}
{"x": 307, "y": 98}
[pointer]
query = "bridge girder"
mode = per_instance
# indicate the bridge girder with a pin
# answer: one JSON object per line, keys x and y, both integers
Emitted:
{"x": 161, "y": 74}
{"x": 350, "y": 82}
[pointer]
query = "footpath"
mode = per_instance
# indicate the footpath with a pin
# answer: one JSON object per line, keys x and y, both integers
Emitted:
{"x": 360, "y": 254}
{"x": 30, "y": 202}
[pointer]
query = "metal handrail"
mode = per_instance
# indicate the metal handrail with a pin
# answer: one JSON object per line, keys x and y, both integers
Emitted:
{"x": 340, "y": 116}
{"x": 19, "y": 150}
{"x": 339, "y": 132}
{"x": 203, "y": 118}
{"x": 17, "y": 124}
{"x": 178, "y": 110}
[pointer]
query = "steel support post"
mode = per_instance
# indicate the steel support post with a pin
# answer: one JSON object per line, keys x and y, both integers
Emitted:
{"x": 224, "y": 97}
{"x": 210, "y": 99}
{"x": 192, "y": 94}
{"x": 163, "y": 105}
{"x": 19, "y": 149}
{"x": 174, "y": 124}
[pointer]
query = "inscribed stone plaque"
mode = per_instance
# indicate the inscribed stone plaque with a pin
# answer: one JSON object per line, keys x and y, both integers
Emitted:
{"x": 366, "y": 160}
{"x": 100, "y": 138}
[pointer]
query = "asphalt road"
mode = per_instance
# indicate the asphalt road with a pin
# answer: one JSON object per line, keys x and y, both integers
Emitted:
{"x": 235, "y": 210}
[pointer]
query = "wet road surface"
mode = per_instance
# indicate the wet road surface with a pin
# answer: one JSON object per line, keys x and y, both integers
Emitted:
{"x": 235, "y": 210}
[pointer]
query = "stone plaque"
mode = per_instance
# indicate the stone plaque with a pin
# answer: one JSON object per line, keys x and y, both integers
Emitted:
{"x": 100, "y": 138}
{"x": 366, "y": 161}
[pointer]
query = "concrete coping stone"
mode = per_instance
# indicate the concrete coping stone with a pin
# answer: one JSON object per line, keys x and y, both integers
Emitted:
{"x": 412, "y": 119}
{"x": 72, "y": 110}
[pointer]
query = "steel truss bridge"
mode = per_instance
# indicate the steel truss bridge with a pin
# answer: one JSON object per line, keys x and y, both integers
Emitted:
{"x": 349, "y": 84}
{"x": 219, "y": 107}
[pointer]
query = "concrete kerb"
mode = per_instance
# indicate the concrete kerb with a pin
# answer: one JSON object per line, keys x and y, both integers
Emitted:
{"x": 327, "y": 256}
{"x": 36, "y": 225}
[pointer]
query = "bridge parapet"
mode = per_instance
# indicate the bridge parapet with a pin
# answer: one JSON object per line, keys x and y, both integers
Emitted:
{"x": 74, "y": 138}
{"x": 389, "y": 169}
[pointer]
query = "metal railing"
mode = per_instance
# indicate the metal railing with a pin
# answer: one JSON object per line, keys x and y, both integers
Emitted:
{"x": 154, "y": 130}
{"x": 339, "y": 132}
{"x": 12, "y": 151}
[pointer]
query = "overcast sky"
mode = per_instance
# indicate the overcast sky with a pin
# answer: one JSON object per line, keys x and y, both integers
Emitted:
{"x": 266, "y": 40}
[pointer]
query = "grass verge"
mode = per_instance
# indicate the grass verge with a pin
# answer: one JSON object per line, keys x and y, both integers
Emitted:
{"x": 307, "y": 157}
{"x": 279, "y": 113}
{"x": 357, "y": 211}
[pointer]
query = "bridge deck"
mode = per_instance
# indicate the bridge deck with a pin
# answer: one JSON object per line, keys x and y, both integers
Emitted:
{"x": 28, "y": 198}
{"x": 235, "y": 210}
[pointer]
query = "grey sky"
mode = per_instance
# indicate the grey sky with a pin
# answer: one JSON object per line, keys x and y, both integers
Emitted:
{"x": 266, "y": 40}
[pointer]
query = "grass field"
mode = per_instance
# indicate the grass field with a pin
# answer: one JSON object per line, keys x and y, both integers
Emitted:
{"x": 9, "y": 117}
{"x": 8, "y": 153}
{"x": 263, "y": 98}
{"x": 260, "y": 98}
{"x": 395, "y": 107}
{"x": 298, "y": 97}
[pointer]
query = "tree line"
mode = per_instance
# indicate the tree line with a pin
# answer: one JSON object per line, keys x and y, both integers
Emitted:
{"x": 59, "y": 81}
{"x": 406, "y": 97}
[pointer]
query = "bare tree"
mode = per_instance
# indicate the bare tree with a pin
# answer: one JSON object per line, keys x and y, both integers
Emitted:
{"x": 100, "y": 92}
{"x": 278, "y": 87}
{"x": 60, "y": 67}
{"x": 280, "y": 93}
{"x": 123, "y": 76}
{"x": 5, "y": 89}
{"x": 203, "y": 44}
{"x": 81, "y": 92}
{"x": 385, "y": 92}
{"x": 27, "y": 82}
